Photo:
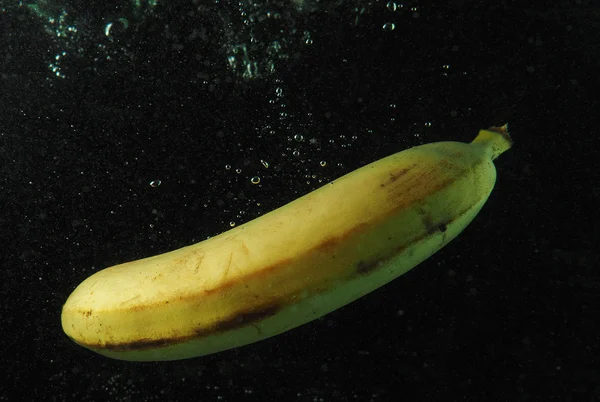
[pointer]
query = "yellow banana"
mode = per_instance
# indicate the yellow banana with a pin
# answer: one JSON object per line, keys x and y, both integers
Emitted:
{"x": 292, "y": 265}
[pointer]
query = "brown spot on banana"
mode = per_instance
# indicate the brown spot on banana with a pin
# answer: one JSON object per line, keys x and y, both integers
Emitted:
{"x": 329, "y": 244}
{"x": 366, "y": 267}
{"x": 244, "y": 318}
{"x": 396, "y": 175}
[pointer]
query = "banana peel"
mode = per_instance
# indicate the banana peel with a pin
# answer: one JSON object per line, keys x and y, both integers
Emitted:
{"x": 292, "y": 265}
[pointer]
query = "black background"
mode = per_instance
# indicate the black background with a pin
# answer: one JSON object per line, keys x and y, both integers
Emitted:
{"x": 506, "y": 312}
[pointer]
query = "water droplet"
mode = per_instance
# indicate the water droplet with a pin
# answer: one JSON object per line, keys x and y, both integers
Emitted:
{"x": 155, "y": 183}
{"x": 238, "y": 170}
{"x": 296, "y": 153}
{"x": 323, "y": 163}
{"x": 391, "y": 6}
{"x": 232, "y": 223}
{"x": 107, "y": 28}
{"x": 227, "y": 167}
{"x": 299, "y": 137}
{"x": 255, "y": 180}
{"x": 264, "y": 163}
{"x": 389, "y": 26}
{"x": 307, "y": 39}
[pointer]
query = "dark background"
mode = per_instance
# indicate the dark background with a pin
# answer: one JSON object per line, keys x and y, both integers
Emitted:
{"x": 506, "y": 312}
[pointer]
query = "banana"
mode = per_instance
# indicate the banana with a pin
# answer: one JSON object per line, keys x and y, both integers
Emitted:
{"x": 292, "y": 265}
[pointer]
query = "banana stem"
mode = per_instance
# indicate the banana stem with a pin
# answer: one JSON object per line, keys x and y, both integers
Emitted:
{"x": 496, "y": 140}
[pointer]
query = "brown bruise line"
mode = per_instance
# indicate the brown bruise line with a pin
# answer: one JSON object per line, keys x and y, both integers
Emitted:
{"x": 396, "y": 175}
{"x": 397, "y": 197}
{"x": 239, "y": 320}
{"x": 364, "y": 268}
